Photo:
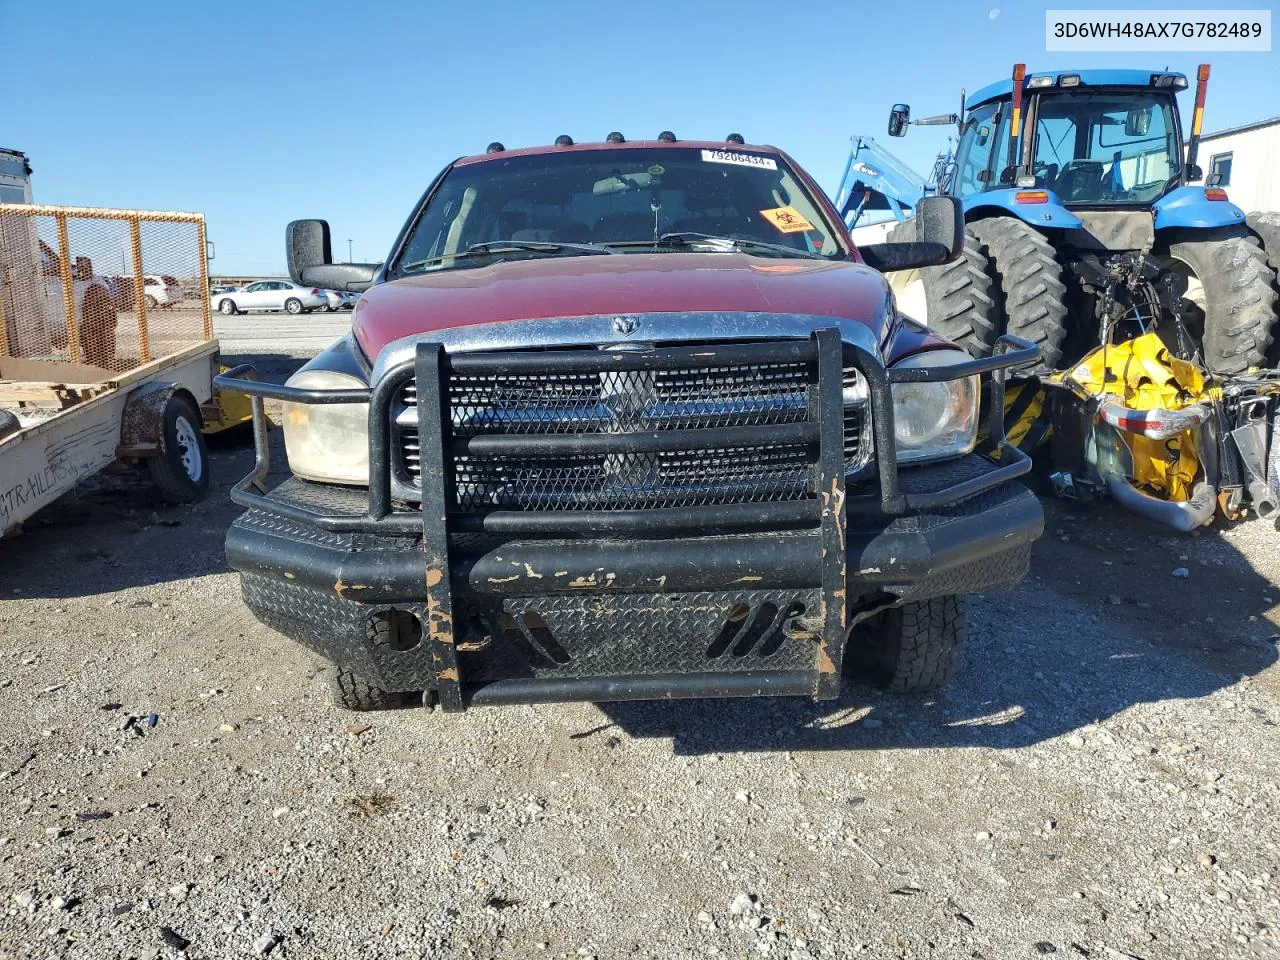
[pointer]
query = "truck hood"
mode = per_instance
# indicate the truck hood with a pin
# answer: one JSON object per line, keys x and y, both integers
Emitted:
{"x": 543, "y": 287}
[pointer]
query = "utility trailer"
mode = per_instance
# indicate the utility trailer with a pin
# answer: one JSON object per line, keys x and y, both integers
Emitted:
{"x": 89, "y": 375}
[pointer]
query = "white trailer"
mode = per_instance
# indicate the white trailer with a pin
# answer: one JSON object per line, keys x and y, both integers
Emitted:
{"x": 90, "y": 371}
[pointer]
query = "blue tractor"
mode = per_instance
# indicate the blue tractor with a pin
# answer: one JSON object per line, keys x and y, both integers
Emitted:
{"x": 1083, "y": 224}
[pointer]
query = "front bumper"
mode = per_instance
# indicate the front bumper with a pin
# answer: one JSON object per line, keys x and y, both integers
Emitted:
{"x": 752, "y": 599}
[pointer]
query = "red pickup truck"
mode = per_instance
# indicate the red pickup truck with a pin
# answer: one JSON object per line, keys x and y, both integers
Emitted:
{"x": 631, "y": 420}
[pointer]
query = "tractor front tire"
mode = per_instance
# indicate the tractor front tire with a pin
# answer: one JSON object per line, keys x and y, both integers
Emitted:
{"x": 908, "y": 649}
{"x": 1028, "y": 284}
{"x": 960, "y": 301}
{"x": 1239, "y": 296}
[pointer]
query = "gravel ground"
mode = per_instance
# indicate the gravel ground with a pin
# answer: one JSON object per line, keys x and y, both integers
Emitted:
{"x": 1101, "y": 780}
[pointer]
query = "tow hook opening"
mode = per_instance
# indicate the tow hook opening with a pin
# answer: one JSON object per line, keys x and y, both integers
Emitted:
{"x": 398, "y": 630}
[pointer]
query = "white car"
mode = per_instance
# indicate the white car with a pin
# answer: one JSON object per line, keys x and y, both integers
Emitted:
{"x": 270, "y": 295}
{"x": 339, "y": 300}
{"x": 160, "y": 291}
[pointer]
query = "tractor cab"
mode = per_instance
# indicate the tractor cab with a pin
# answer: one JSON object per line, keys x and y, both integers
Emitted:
{"x": 1096, "y": 138}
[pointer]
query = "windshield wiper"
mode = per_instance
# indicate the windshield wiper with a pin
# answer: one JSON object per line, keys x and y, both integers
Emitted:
{"x": 491, "y": 247}
{"x": 688, "y": 238}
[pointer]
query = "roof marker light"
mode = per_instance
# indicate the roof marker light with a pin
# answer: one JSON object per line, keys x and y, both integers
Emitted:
{"x": 734, "y": 138}
{"x": 494, "y": 147}
{"x": 666, "y": 136}
{"x": 564, "y": 140}
{"x": 615, "y": 137}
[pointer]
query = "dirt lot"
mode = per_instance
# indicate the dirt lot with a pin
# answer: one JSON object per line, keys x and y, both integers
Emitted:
{"x": 1102, "y": 780}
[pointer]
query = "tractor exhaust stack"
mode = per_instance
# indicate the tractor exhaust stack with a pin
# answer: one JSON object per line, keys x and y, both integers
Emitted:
{"x": 1197, "y": 121}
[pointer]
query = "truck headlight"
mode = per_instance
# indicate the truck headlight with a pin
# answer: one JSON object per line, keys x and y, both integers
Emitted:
{"x": 932, "y": 421}
{"x": 328, "y": 442}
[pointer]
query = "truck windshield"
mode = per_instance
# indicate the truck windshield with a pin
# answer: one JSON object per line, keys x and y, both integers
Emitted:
{"x": 1104, "y": 148}
{"x": 618, "y": 199}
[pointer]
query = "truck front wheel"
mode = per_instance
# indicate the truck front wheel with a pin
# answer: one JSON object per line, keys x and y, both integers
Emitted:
{"x": 351, "y": 692}
{"x": 908, "y": 649}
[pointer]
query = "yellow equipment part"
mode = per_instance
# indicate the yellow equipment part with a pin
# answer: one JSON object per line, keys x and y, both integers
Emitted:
{"x": 233, "y": 408}
{"x": 1145, "y": 376}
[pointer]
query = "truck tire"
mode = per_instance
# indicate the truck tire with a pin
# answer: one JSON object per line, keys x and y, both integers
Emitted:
{"x": 1029, "y": 288}
{"x": 182, "y": 471}
{"x": 908, "y": 649}
{"x": 1239, "y": 296}
{"x": 352, "y": 693}
{"x": 959, "y": 296}
{"x": 8, "y": 424}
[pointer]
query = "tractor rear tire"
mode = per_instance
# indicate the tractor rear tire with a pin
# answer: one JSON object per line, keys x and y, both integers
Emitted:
{"x": 1266, "y": 227}
{"x": 1239, "y": 296}
{"x": 959, "y": 300}
{"x": 1029, "y": 288}
{"x": 908, "y": 649}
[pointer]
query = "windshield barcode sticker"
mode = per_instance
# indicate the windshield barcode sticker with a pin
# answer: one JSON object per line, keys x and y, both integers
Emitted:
{"x": 739, "y": 159}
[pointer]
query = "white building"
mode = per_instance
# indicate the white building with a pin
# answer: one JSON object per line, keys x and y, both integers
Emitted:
{"x": 1246, "y": 161}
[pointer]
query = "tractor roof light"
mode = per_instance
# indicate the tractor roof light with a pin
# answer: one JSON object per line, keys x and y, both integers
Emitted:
{"x": 1215, "y": 193}
{"x": 1069, "y": 80}
{"x": 1167, "y": 80}
{"x": 1035, "y": 83}
{"x": 1031, "y": 196}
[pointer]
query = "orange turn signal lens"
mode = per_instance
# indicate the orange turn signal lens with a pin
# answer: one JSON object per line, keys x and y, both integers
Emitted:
{"x": 1031, "y": 196}
{"x": 1215, "y": 193}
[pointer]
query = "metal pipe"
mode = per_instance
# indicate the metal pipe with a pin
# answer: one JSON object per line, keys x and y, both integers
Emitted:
{"x": 1263, "y": 499}
{"x": 139, "y": 290}
{"x": 1184, "y": 516}
{"x": 68, "y": 287}
{"x": 761, "y": 683}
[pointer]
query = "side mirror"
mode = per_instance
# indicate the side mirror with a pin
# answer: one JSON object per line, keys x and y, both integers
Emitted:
{"x": 899, "y": 118}
{"x": 1137, "y": 122}
{"x": 939, "y": 230}
{"x": 1191, "y": 173}
{"x": 310, "y": 254}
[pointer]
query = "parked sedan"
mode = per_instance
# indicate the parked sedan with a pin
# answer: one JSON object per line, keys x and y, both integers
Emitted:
{"x": 160, "y": 291}
{"x": 339, "y": 300}
{"x": 270, "y": 295}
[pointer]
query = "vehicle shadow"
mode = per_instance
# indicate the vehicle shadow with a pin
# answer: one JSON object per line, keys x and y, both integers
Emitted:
{"x": 113, "y": 531}
{"x": 1101, "y": 625}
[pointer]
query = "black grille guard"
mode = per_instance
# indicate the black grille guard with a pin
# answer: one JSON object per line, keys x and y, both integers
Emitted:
{"x": 431, "y": 364}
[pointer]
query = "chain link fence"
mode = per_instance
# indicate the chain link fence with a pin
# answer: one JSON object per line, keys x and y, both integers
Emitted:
{"x": 111, "y": 289}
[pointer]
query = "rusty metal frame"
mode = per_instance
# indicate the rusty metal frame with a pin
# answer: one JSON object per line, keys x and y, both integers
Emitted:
{"x": 828, "y": 392}
{"x": 68, "y": 287}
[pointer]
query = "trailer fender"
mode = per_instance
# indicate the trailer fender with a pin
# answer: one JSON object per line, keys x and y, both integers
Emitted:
{"x": 1190, "y": 207}
{"x": 142, "y": 425}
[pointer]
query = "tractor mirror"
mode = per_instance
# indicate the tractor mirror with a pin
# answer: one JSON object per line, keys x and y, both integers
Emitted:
{"x": 939, "y": 239}
{"x": 310, "y": 256}
{"x": 1192, "y": 173}
{"x": 899, "y": 118}
{"x": 1137, "y": 122}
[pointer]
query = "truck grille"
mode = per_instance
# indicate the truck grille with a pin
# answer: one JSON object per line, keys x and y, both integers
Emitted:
{"x": 687, "y": 398}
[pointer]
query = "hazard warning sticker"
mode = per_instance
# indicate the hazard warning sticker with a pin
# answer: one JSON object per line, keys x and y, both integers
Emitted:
{"x": 787, "y": 219}
{"x": 739, "y": 159}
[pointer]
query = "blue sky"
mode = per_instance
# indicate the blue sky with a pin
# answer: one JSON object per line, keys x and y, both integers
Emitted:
{"x": 259, "y": 113}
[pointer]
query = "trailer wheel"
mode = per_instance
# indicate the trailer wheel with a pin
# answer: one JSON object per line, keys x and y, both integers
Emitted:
{"x": 293, "y": 305}
{"x": 1231, "y": 286}
{"x": 352, "y": 693}
{"x": 182, "y": 471}
{"x": 908, "y": 649}
{"x": 1029, "y": 288}
{"x": 958, "y": 298}
{"x": 8, "y": 424}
